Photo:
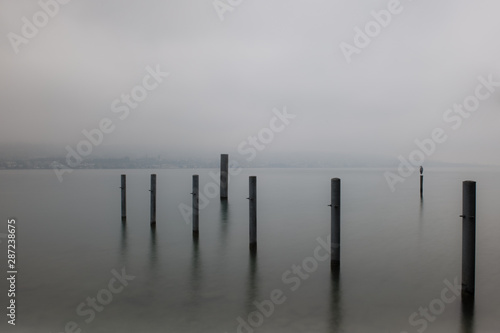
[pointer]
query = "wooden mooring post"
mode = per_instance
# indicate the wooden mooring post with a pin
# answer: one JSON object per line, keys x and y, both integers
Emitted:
{"x": 196, "y": 211}
{"x": 253, "y": 212}
{"x": 224, "y": 166}
{"x": 468, "y": 237}
{"x": 124, "y": 196}
{"x": 335, "y": 223}
{"x": 153, "y": 199}
{"x": 421, "y": 182}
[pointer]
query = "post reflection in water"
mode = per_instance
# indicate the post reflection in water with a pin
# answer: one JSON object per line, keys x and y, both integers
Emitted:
{"x": 335, "y": 301}
{"x": 224, "y": 223}
{"x": 467, "y": 314}
{"x": 223, "y": 208}
{"x": 420, "y": 221}
{"x": 195, "y": 268}
{"x": 123, "y": 243}
{"x": 252, "y": 281}
{"x": 153, "y": 254}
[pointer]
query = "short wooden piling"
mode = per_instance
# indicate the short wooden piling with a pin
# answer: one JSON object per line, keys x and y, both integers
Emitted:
{"x": 421, "y": 186}
{"x": 224, "y": 165}
{"x": 253, "y": 211}
{"x": 124, "y": 196}
{"x": 421, "y": 182}
{"x": 335, "y": 222}
{"x": 195, "y": 193}
{"x": 468, "y": 237}
{"x": 153, "y": 199}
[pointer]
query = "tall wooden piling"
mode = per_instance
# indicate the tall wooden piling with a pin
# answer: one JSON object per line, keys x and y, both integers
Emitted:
{"x": 468, "y": 237}
{"x": 253, "y": 211}
{"x": 196, "y": 211}
{"x": 153, "y": 199}
{"x": 124, "y": 196}
{"x": 335, "y": 222}
{"x": 224, "y": 166}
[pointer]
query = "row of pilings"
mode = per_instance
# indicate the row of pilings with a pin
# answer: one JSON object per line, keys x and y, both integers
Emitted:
{"x": 468, "y": 217}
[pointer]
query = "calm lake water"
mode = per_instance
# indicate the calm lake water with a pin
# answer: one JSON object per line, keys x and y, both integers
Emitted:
{"x": 399, "y": 255}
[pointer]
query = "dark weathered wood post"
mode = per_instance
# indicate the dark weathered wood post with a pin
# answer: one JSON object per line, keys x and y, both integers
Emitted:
{"x": 224, "y": 166}
{"x": 253, "y": 211}
{"x": 335, "y": 222}
{"x": 153, "y": 199}
{"x": 468, "y": 237}
{"x": 421, "y": 182}
{"x": 196, "y": 201}
{"x": 124, "y": 196}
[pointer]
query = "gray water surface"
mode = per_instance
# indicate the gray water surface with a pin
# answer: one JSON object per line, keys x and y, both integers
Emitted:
{"x": 397, "y": 253}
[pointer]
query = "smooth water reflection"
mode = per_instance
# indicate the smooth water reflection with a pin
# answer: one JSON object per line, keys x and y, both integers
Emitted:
{"x": 396, "y": 251}
{"x": 335, "y": 301}
{"x": 467, "y": 314}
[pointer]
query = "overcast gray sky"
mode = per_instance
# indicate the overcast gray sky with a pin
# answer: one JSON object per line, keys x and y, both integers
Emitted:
{"x": 227, "y": 76}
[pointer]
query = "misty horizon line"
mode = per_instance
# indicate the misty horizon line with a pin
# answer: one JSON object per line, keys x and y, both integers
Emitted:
{"x": 281, "y": 160}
